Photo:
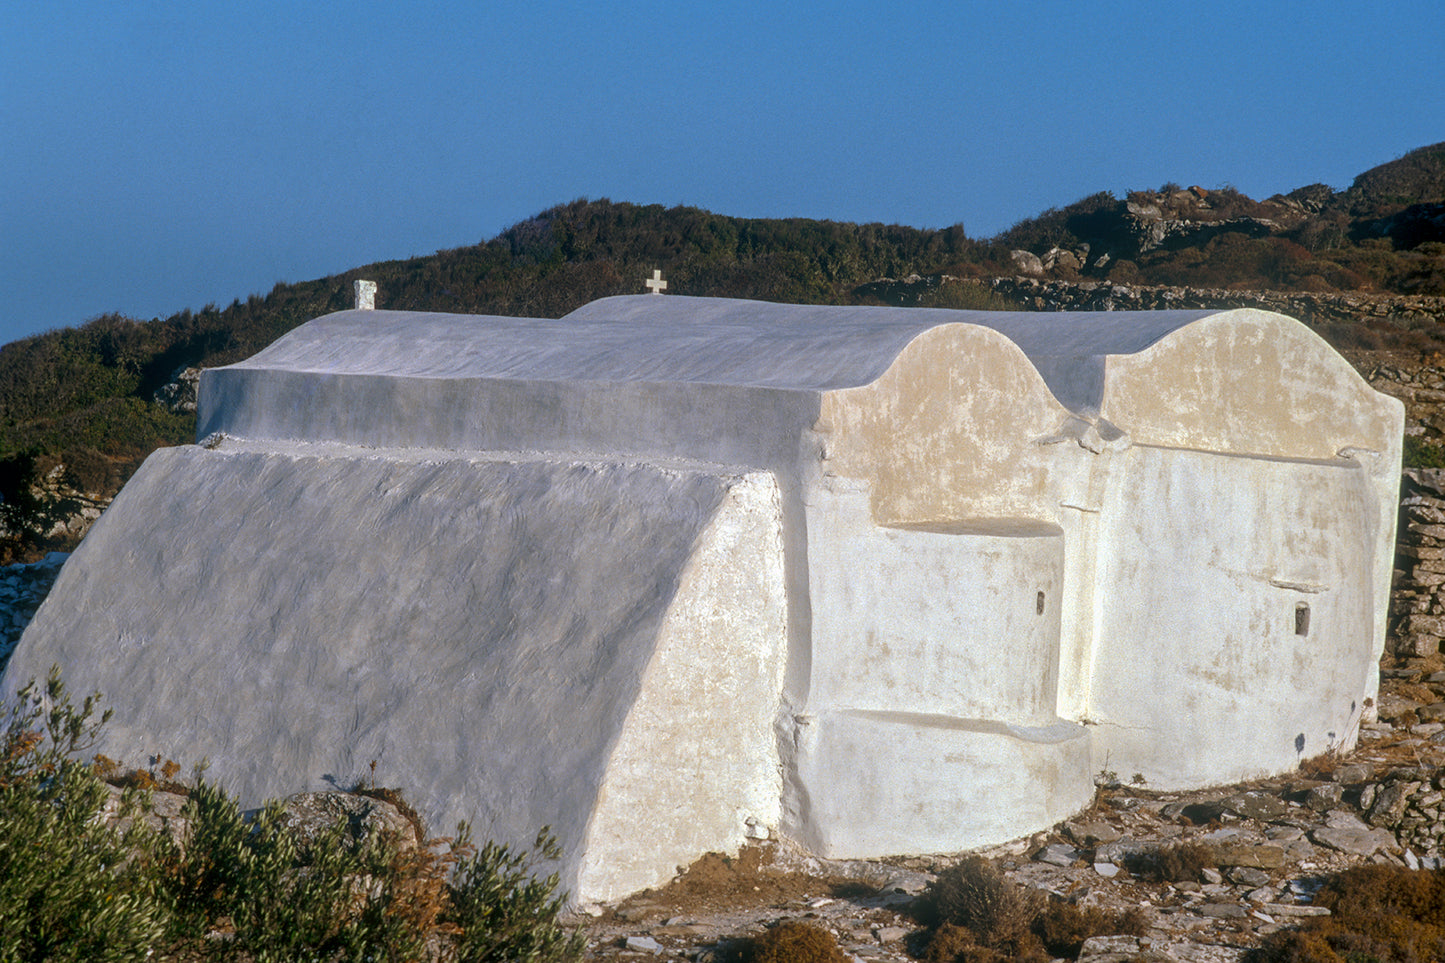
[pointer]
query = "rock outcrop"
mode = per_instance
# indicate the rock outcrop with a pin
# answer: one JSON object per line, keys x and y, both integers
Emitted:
{"x": 179, "y": 394}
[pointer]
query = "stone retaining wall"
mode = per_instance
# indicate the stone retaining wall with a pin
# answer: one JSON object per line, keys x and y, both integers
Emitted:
{"x": 1417, "y": 608}
{"x": 1308, "y": 307}
{"x": 1420, "y": 386}
{"x": 1409, "y": 803}
{"x": 1045, "y": 294}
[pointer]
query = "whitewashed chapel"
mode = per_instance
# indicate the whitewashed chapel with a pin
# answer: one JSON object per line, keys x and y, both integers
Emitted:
{"x": 670, "y": 572}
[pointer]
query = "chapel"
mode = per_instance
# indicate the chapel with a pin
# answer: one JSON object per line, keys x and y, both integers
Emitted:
{"x": 669, "y": 573}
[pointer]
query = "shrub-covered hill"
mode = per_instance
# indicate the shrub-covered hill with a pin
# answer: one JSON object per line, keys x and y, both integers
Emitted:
{"x": 83, "y": 397}
{"x": 1385, "y": 233}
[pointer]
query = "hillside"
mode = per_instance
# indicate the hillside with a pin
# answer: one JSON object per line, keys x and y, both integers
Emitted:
{"x": 77, "y": 406}
{"x": 1385, "y": 233}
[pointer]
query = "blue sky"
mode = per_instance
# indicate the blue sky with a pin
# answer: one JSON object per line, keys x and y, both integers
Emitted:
{"x": 161, "y": 155}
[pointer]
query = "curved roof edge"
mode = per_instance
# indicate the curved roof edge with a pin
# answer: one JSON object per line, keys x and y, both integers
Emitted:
{"x": 645, "y": 338}
{"x": 1067, "y": 348}
{"x": 1251, "y": 382}
{"x": 806, "y": 355}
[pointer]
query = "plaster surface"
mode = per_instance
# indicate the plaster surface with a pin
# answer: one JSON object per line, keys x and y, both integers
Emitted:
{"x": 483, "y": 630}
{"x": 1216, "y": 697}
{"x": 880, "y": 580}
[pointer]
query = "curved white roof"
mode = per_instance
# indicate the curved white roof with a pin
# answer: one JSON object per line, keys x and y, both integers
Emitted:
{"x": 644, "y": 338}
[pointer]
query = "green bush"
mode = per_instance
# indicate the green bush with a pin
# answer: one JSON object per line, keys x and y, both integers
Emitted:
{"x": 238, "y": 887}
{"x": 274, "y": 898}
{"x": 28, "y": 509}
{"x": 501, "y": 912}
{"x": 1420, "y": 453}
{"x": 71, "y": 888}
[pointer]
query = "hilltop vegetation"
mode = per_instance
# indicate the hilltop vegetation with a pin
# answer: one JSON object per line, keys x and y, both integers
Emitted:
{"x": 1385, "y": 233}
{"x": 77, "y": 404}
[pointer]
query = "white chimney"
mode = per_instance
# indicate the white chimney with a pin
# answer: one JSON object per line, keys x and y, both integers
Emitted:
{"x": 365, "y": 295}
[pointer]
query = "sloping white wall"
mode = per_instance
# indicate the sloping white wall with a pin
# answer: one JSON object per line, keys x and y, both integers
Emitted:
{"x": 697, "y": 757}
{"x": 482, "y": 629}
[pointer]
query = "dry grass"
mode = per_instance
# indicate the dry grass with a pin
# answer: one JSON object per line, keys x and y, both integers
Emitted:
{"x": 1382, "y": 914}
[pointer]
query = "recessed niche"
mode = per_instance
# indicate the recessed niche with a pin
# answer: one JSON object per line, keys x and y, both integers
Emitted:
{"x": 1039, "y": 604}
{"x": 1302, "y": 619}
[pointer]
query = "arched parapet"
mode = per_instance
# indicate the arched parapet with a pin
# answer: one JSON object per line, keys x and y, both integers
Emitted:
{"x": 937, "y": 584}
{"x": 1256, "y": 383}
{"x": 948, "y": 432}
{"x": 1252, "y": 383}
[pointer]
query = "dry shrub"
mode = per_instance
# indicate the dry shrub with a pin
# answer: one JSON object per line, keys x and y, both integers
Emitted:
{"x": 1064, "y": 927}
{"x": 396, "y": 799}
{"x": 976, "y": 897}
{"x": 1351, "y": 335}
{"x": 795, "y": 942}
{"x": 1416, "y": 692}
{"x": 1322, "y": 766}
{"x": 957, "y": 944}
{"x": 962, "y": 295}
{"x": 1378, "y": 913}
{"x": 1172, "y": 864}
{"x": 977, "y": 916}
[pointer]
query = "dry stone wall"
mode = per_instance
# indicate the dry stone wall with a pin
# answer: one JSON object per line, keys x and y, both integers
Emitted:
{"x": 1408, "y": 803}
{"x": 1055, "y": 294}
{"x": 1417, "y": 609}
{"x": 1417, "y": 381}
{"x": 1309, "y": 307}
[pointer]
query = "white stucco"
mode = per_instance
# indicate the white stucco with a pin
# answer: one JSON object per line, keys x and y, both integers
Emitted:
{"x": 880, "y": 580}
{"x": 697, "y": 757}
{"x": 1218, "y": 695}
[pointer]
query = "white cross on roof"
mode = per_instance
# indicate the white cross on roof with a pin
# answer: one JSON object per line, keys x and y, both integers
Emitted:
{"x": 655, "y": 284}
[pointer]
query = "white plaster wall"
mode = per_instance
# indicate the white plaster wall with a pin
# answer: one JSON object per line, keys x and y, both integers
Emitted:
{"x": 930, "y": 724}
{"x": 948, "y": 432}
{"x": 480, "y": 627}
{"x": 943, "y": 619}
{"x": 1199, "y": 676}
{"x": 891, "y": 783}
{"x": 1082, "y": 481}
{"x": 1255, "y": 382}
{"x": 697, "y": 756}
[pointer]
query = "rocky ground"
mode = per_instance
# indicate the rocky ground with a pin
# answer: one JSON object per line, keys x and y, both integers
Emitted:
{"x": 1274, "y": 841}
